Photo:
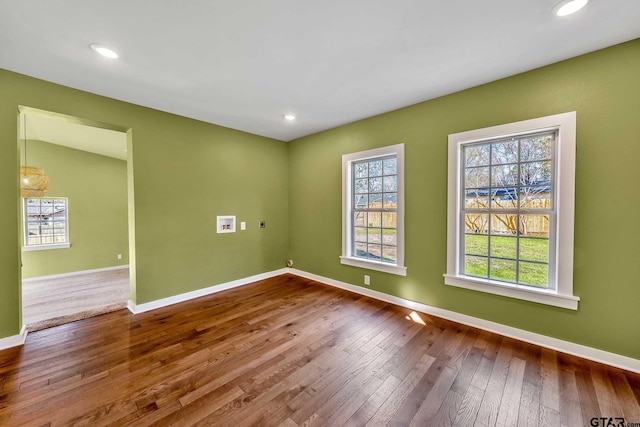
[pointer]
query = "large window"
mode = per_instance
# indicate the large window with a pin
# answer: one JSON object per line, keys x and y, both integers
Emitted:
{"x": 46, "y": 223}
{"x": 511, "y": 210}
{"x": 373, "y": 209}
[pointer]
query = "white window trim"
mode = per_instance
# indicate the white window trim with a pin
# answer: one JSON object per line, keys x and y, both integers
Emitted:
{"x": 562, "y": 296}
{"x": 347, "y": 258}
{"x": 46, "y": 247}
{"x": 30, "y": 248}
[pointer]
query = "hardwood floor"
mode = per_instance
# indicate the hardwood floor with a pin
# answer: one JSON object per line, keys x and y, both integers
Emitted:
{"x": 288, "y": 351}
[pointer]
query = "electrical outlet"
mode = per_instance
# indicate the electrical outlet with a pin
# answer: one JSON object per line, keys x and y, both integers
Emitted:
{"x": 119, "y": 256}
{"x": 243, "y": 225}
{"x": 262, "y": 224}
{"x": 367, "y": 280}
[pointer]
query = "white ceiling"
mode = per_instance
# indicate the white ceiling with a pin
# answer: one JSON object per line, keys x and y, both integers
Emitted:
{"x": 96, "y": 140}
{"x": 243, "y": 64}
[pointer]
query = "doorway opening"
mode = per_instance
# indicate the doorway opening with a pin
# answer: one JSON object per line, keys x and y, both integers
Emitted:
{"x": 75, "y": 230}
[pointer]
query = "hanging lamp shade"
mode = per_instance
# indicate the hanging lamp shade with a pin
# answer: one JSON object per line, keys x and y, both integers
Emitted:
{"x": 33, "y": 181}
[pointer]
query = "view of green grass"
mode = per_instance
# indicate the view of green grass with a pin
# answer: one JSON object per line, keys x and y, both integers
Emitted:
{"x": 504, "y": 259}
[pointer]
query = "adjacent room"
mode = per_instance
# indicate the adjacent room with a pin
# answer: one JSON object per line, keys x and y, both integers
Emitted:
{"x": 70, "y": 273}
{"x": 331, "y": 213}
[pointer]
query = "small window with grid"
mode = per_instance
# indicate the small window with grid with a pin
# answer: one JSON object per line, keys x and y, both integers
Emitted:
{"x": 373, "y": 209}
{"x": 46, "y": 223}
{"x": 375, "y": 184}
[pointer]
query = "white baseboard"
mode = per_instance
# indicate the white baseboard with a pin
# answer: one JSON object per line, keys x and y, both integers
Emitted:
{"x": 148, "y": 306}
{"x": 579, "y": 350}
{"x": 75, "y": 273}
{"x": 14, "y": 340}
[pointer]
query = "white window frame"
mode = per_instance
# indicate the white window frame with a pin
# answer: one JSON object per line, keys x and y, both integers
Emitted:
{"x": 564, "y": 206}
{"x": 45, "y": 246}
{"x": 347, "y": 257}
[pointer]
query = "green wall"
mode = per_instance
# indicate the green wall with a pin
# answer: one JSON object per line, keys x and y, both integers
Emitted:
{"x": 185, "y": 172}
{"x": 96, "y": 188}
{"x": 604, "y": 88}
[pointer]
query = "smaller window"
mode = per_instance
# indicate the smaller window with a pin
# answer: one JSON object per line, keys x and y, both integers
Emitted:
{"x": 373, "y": 209}
{"x": 46, "y": 223}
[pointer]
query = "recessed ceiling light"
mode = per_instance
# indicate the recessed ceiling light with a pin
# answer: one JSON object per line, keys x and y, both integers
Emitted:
{"x": 289, "y": 117}
{"x": 104, "y": 51}
{"x": 567, "y": 7}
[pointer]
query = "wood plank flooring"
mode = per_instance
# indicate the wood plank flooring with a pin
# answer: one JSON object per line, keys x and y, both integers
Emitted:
{"x": 292, "y": 352}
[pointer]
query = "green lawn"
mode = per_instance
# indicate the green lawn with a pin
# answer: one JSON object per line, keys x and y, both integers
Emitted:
{"x": 505, "y": 259}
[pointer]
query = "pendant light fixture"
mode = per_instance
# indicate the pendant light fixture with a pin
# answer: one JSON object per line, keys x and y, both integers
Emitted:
{"x": 33, "y": 181}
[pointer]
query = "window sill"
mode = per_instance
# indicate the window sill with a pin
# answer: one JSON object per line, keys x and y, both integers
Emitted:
{"x": 374, "y": 265}
{"x": 45, "y": 247}
{"x": 540, "y": 296}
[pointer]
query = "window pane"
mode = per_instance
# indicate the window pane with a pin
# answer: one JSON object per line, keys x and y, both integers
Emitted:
{"x": 390, "y": 201}
{"x": 361, "y": 250}
{"x": 534, "y": 249}
{"x": 389, "y": 219}
{"x": 476, "y": 155}
{"x": 375, "y": 252}
{"x": 389, "y": 237}
{"x": 360, "y": 219}
{"x": 504, "y": 246}
{"x": 33, "y": 229}
{"x": 390, "y": 166}
{"x": 534, "y": 225}
{"x": 390, "y": 183}
{"x": 502, "y": 270}
{"x": 535, "y": 173}
{"x": 504, "y": 176}
{"x": 504, "y": 224}
{"x": 476, "y": 223}
{"x": 537, "y": 148}
{"x": 504, "y": 152}
{"x": 360, "y": 201}
{"x": 535, "y": 197}
{"x": 374, "y": 219}
{"x": 476, "y": 266}
{"x": 375, "y": 201}
{"x": 476, "y": 177}
{"x": 362, "y": 185}
{"x": 375, "y": 235}
{"x": 361, "y": 170}
{"x": 389, "y": 254}
{"x": 476, "y": 244}
{"x": 476, "y": 199}
{"x": 534, "y": 274}
{"x": 375, "y": 168}
{"x": 504, "y": 198}
{"x": 360, "y": 234}
{"x": 375, "y": 185}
